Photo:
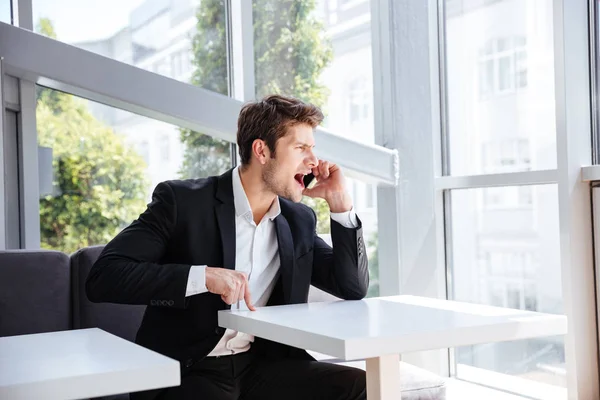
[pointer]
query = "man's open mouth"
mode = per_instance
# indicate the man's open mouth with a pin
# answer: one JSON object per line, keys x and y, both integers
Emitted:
{"x": 300, "y": 179}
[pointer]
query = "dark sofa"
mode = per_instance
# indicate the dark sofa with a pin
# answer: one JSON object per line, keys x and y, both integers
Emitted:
{"x": 44, "y": 291}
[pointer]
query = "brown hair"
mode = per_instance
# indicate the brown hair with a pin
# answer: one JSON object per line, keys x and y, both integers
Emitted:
{"x": 269, "y": 119}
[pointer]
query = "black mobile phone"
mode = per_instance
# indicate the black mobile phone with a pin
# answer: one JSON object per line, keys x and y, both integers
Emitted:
{"x": 308, "y": 179}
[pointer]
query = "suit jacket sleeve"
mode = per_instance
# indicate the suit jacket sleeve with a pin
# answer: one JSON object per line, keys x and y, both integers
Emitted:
{"x": 128, "y": 269}
{"x": 344, "y": 269}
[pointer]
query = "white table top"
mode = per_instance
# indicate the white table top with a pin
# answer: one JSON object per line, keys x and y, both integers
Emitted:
{"x": 79, "y": 364}
{"x": 390, "y": 325}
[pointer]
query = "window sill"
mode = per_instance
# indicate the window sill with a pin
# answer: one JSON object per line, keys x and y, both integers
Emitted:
{"x": 590, "y": 173}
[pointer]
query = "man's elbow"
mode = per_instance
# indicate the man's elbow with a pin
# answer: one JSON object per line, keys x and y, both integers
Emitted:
{"x": 359, "y": 286}
{"x": 355, "y": 296}
{"x": 358, "y": 292}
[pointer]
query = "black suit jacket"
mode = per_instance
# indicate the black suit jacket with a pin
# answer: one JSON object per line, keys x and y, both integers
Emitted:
{"x": 192, "y": 222}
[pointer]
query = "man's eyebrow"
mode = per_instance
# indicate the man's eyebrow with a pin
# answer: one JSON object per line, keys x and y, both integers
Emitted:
{"x": 303, "y": 144}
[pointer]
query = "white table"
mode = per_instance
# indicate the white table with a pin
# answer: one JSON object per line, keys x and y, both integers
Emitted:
{"x": 79, "y": 364}
{"x": 379, "y": 329}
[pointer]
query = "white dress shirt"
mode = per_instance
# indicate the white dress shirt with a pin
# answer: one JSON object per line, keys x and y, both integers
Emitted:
{"x": 256, "y": 254}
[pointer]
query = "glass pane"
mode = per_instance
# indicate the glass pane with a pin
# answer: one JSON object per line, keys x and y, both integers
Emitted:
{"x": 500, "y": 85}
{"x": 304, "y": 48}
{"x": 172, "y": 38}
{"x": 5, "y": 13}
{"x": 505, "y": 253}
{"x": 99, "y": 166}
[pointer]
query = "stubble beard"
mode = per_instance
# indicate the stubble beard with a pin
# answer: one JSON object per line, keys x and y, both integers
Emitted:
{"x": 269, "y": 177}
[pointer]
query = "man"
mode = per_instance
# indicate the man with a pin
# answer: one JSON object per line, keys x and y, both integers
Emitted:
{"x": 240, "y": 240}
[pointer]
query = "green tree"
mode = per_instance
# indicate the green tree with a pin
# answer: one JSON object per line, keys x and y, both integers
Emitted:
{"x": 205, "y": 155}
{"x": 100, "y": 183}
{"x": 290, "y": 54}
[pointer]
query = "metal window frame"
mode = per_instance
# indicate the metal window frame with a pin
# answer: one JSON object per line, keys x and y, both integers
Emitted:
{"x": 240, "y": 32}
{"x": 3, "y": 132}
{"x": 242, "y": 49}
{"x": 116, "y": 84}
{"x": 594, "y": 31}
{"x": 410, "y": 216}
{"x": 29, "y": 229}
{"x": 574, "y": 119}
{"x": 573, "y": 141}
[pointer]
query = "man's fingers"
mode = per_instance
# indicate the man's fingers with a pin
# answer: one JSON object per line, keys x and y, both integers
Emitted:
{"x": 324, "y": 169}
{"x": 248, "y": 299}
{"x": 238, "y": 292}
{"x": 242, "y": 292}
{"x": 232, "y": 294}
{"x": 228, "y": 298}
{"x": 236, "y": 289}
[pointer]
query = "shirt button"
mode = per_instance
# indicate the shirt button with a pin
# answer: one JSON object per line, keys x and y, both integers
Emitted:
{"x": 219, "y": 331}
{"x": 189, "y": 362}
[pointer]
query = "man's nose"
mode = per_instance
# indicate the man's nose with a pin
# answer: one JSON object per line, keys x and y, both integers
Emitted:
{"x": 312, "y": 161}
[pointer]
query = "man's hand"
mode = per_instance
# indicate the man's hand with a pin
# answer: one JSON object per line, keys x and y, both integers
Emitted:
{"x": 231, "y": 285}
{"x": 330, "y": 186}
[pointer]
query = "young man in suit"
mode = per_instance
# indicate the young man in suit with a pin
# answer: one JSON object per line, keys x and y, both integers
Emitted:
{"x": 240, "y": 240}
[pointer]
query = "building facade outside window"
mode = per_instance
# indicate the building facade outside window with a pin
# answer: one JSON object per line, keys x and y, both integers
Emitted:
{"x": 502, "y": 66}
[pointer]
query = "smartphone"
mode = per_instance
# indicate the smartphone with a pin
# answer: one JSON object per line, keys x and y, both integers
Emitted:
{"x": 308, "y": 179}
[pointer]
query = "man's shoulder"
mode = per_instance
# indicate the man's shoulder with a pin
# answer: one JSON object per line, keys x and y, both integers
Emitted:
{"x": 186, "y": 187}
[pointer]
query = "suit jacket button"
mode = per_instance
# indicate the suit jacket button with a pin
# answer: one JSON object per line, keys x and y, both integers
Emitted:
{"x": 189, "y": 362}
{"x": 219, "y": 331}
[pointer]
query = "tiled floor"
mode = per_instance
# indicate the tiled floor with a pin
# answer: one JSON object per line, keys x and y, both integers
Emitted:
{"x": 461, "y": 390}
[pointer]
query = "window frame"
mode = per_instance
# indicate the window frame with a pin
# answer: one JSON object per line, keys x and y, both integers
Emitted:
{"x": 572, "y": 80}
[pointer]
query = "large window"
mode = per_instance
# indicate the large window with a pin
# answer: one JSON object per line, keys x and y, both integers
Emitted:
{"x": 500, "y": 86}
{"x": 509, "y": 257}
{"x": 165, "y": 37}
{"x": 99, "y": 166}
{"x": 320, "y": 53}
{"x": 184, "y": 40}
{"x": 304, "y": 49}
{"x": 503, "y": 240}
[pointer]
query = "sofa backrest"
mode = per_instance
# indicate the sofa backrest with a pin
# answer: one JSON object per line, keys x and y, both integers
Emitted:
{"x": 44, "y": 291}
{"x": 35, "y": 292}
{"x": 122, "y": 320}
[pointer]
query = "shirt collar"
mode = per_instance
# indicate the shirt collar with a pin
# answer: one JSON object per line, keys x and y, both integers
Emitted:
{"x": 241, "y": 203}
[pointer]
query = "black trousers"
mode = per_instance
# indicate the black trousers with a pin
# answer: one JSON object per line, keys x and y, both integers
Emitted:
{"x": 247, "y": 376}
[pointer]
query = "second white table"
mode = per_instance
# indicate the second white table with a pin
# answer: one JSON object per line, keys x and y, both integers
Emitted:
{"x": 379, "y": 329}
{"x": 79, "y": 364}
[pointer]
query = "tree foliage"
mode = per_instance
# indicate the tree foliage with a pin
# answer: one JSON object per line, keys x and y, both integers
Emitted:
{"x": 100, "y": 182}
{"x": 290, "y": 54}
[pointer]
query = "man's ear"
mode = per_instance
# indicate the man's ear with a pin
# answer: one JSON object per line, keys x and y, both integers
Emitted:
{"x": 261, "y": 151}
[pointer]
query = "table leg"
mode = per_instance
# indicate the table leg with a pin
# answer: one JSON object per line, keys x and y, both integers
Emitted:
{"x": 383, "y": 378}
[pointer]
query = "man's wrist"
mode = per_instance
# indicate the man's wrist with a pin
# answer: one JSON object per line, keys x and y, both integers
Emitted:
{"x": 339, "y": 202}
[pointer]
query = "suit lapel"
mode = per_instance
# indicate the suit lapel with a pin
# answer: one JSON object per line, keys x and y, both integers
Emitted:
{"x": 286, "y": 256}
{"x": 225, "y": 212}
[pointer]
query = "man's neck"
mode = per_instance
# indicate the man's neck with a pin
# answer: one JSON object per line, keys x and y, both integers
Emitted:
{"x": 260, "y": 199}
